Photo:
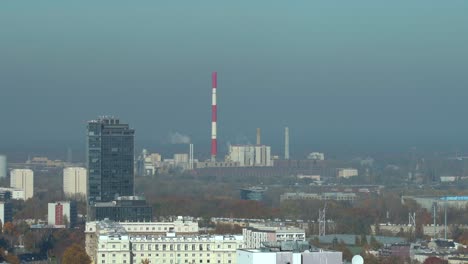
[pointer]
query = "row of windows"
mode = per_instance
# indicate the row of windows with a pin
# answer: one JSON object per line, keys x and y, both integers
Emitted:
{"x": 164, "y": 261}
{"x": 171, "y": 247}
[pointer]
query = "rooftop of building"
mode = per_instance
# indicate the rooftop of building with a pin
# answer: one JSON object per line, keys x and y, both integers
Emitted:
{"x": 275, "y": 228}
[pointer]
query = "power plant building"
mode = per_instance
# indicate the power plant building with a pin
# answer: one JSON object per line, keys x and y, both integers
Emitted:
{"x": 250, "y": 155}
{"x": 75, "y": 182}
{"x": 23, "y": 179}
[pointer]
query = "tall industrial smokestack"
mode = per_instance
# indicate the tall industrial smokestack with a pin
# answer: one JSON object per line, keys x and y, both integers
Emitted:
{"x": 286, "y": 143}
{"x": 258, "y": 136}
{"x": 214, "y": 143}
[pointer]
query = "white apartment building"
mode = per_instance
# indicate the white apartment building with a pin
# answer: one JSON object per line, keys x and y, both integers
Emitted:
{"x": 255, "y": 235}
{"x": 23, "y": 179}
{"x": 75, "y": 182}
{"x": 111, "y": 243}
{"x": 347, "y": 173}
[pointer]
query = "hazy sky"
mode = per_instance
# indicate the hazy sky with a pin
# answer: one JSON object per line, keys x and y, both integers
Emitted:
{"x": 336, "y": 72}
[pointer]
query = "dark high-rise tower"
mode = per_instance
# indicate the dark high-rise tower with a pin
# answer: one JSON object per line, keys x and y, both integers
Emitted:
{"x": 109, "y": 159}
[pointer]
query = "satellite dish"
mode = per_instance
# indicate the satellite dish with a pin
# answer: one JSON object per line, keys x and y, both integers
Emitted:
{"x": 357, "y": 260}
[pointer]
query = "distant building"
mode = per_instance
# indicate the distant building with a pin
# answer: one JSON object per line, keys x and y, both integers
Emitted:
{"x": 124, "y": 208}
{"x": 23, "y": 179}
{"x": 6, "y": 212}
{"x": 316, "y": 156}
{"x": 147, "y": 164}
{"x": 62, "y": 214}
{"x": 111, "y": 243}
{"x": 3, "y": 166}
{"x": 346, "y": 173}
{"x": 75, "y": 182}
{"x": 281, "y": 253}
{"x": 256, "y": 234}
{"x": 252, "y": 194}
{"x": 110, "y": 159}
{"x": 180, "y": 226}
{"x": 250, "y": 155}
{"x": 459, "y": 202}
{"x": 448, "y": 178}
{"x": 333, "y": 196}
{"x": 11, "y": 193}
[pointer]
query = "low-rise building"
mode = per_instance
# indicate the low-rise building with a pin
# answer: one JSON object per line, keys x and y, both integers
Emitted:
{"x": 292, "y": 253}
{"x": 255, "y": 235}
{"x": 335, "y": 196}
{"x": 111, "y": 243}
{"x": 346, "y": 172}
{"x": 11, "y": 193}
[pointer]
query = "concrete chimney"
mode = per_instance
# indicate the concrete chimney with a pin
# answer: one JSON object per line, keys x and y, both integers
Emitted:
{"x": 286, "y": 143}
{"x": 258, "y": 136}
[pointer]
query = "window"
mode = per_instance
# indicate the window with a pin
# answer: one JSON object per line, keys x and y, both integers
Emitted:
{"x": 193, "y": 246}
{"x": 103, "y": 261}
{"x": 113, "y": 255}
{"x": 149, "y": 246}
{"x": 200, "y": 247}
{"x": 113, "y": 246}
{"x": 103, "y": 255}
{"x": 171, "y": 246}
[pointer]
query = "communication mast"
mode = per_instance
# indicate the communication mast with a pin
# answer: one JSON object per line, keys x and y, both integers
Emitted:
{"x": 322, "y": 220}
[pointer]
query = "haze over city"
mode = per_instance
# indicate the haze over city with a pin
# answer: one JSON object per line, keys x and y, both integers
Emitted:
{"x": 361, "y": 74}
{"x": 233, "y": 132}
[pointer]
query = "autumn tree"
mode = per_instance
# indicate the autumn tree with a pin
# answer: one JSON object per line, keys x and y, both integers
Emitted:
{"x": 434, "y": 260}
{"x": 145, "y": 261}
{"x": 75, "y": 255}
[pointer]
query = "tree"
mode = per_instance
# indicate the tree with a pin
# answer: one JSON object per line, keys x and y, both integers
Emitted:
{"x": 75, "y": 255}
{"x": 145, "y": 261}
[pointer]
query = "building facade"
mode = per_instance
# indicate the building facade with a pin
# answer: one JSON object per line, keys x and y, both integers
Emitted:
{"x": 111, "y": 243}
{"x": 255, "y": 235}
{"x": 124, "y": 208}
{"x": 110, "y": 159}
{"x": 6, "y": 212}
{"x": 11, "y": 193}
{"x": 255, "y": 256}
{"x": 75, "y": 182}
{"x": 250, "y": 155}
{"x": 347, "y": 173}
{"x": 23, "y": 179}
{"x": 62, "y": 214}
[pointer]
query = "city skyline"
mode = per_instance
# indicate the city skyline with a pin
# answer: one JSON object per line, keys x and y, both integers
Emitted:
{"x": 362, "y": 72}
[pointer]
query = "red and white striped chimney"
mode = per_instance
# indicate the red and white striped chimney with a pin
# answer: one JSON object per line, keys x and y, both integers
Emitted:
{"x": 214, "y": 143}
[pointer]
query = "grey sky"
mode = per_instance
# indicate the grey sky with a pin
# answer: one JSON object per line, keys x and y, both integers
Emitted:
{"x": 336, "y": 72}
